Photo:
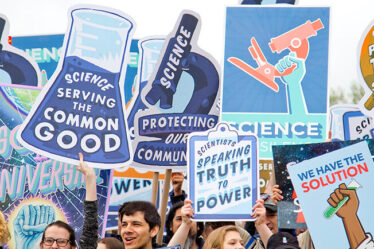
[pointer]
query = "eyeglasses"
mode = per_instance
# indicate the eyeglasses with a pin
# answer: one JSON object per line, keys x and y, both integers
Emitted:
{"x": 60, "y": 242}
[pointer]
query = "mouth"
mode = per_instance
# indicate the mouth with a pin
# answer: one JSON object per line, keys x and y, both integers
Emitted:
{"x": 129, "y": 240}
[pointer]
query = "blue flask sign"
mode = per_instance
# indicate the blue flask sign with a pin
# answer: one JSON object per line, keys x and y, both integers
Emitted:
{"x": 82, "y": 107}
{"x": 150, "y": 49}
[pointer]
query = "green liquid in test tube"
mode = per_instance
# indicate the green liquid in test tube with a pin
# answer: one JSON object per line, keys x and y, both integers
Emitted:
{"x": 330, "y": 211}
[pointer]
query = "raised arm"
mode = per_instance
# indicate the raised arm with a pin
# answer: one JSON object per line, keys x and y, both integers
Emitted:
{"x": 259, "y": 211}
{"x": 89, "y": 237}
{"x": 180, "y": 236}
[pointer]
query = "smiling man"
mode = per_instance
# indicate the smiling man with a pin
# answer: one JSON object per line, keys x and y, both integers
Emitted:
{"x": 140, "y": 223}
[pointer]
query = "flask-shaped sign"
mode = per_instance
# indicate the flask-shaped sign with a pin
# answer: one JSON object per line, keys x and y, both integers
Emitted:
{"x": 82, "y": 107}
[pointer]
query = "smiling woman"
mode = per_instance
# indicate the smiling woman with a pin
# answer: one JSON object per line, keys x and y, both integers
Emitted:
{"x": 226, "y": 237}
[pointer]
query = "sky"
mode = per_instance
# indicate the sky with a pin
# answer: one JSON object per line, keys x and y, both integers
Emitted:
{"x": 349, "y": 19}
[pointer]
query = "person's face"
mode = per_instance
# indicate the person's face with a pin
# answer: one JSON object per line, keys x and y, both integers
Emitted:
{"x": 101, "y": 246}
{"x": 272, "y": 221}
{"x": 56, "y": 232}
{"x": 233, "y": 240}
{"x": 177, "y": 222}
{"x": 135, "y": 231}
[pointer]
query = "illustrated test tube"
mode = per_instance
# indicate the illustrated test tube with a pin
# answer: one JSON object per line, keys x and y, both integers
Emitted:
{"x": 330, "y": 211}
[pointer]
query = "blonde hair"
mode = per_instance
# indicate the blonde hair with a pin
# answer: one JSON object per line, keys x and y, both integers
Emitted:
{"x": 216, "y": 238}
{"x": 4, "y": 232}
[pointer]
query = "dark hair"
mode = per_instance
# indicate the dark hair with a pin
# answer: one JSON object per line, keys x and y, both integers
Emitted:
{"x": 169, "y": 220}
{"x": 151, "y": 215}
{"x": 111, "y": 243}
{"x": 62, "y": 224}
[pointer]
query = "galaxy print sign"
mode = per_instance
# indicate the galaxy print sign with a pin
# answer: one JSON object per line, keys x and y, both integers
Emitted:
{"x": 290, "y": 213}
{"x": 180, "y": 97}
{"x": 81, "y": 109}
{"x": 335, "y": 192}
{"x": 36, "y": 190}
{"x": 223, "y": 173}
{"x": 16, "y": 67}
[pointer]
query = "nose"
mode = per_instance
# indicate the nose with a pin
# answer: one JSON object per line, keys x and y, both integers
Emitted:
{"x": 127, "y": 229}
{"x": 54, "y": 245}
{"x": 239, "y": 246}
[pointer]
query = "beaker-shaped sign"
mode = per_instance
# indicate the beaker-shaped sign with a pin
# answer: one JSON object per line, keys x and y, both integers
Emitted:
{"x": 149, "y": 51}
{"x": 82, "y": 107}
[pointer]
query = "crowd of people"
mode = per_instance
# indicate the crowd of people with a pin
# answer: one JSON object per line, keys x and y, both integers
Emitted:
{"x": 140, "y": 223}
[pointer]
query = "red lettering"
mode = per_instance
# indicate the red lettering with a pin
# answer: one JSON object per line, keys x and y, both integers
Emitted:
{"x": 305, "y": 185}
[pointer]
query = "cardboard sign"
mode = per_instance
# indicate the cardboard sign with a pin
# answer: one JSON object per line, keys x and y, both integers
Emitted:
{"x": 35, "y": 186}
{"x": 129, "y": 185}
{"x": 366, "y": 71}
{"x": 46, "y": 50}
{"x": 335, "y": 192}
{"x": 223, "y": 174}
{"x": 275, "y": 74}
{"x": 347, "y": 122}
{"x": 180, "y": 97}
{"x": 16, "y": 66}
{"x": 289, "y": 211}
{"x": 81, "y": 109}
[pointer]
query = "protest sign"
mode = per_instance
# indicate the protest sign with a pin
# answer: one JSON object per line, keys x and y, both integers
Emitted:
{"x": 30, "y": 182}
{"x": 365, "y": 69}
{"x": 16, "y": 66}
{"x": 81, "y": 109}
{"x": 289, "y": 211}
{"x": 180, "y": 96}
{"x": 347, "y": 122}
{"x": 334, "y": 191}
{"x": 275, "y": 74}
{"x": 127, "y": 185}
{"x": 46, "y": 51}
{"x": 222, "y": 173}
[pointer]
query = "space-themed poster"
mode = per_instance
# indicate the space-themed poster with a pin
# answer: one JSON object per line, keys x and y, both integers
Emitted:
{"x": 180, "y": 96}
{"x": 335, "y": 193}
{"x": 222, "y": 173}
{"x": 289, "y": 209}
{"x": 36, "y": 190}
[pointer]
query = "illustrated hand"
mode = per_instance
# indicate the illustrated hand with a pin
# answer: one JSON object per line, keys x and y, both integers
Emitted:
{"x": 288, "y": 61}
{"x": 277, "y": 194}
{"x": 30, "y": 224}
{"x": 177, "y": 181}
{"x": 349, "y": 209}
{"x": 187, "y": 212}
{"x": 259, "y": 212}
